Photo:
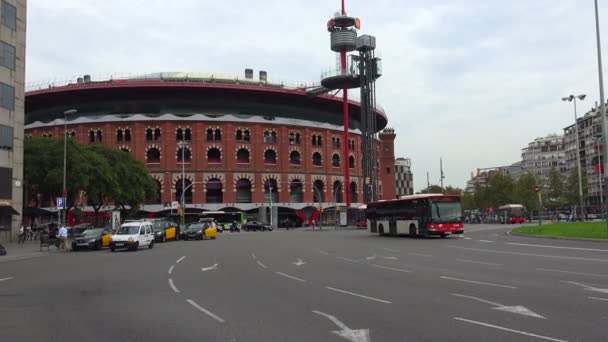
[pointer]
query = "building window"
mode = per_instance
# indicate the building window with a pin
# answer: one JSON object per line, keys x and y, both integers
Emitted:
{"x": 242, "y": 156}
{"x": 149, "y": 134}
{"x": 7, "y": 96}
{"x": 335, "y": 142}
{"x": 351, "y": 162}
{"x": 157, "y": 134}
{"x": 295, "y": 138}
{"x": 6, "y": 137}
{"x": 335, "y": 160}
{"x": 296, "y": 191}
{"x": 128, "y": 135}
{"x": 243, "y": 135}
{"x": 270, "y": 137}
{"x": 7, "y": 55}
{"x": 214, "y": 155}
{"x": 184, "y": 155}
{"x": 388, "y": 170}
{"x": 215, "y": 134}
{"x": 317, "y": 140}
{"x": 353, "y": 192}
{"x": 295, "y": 158}
{"x": 351, "y": 144}
{"x": 317, "y": 159}
{"x": 119, "y": 135}
{"x": 8, "y": 15}
{"x": 95, "y": 136}
{"x": 243, "y": 191}
{"x": 153, "y": 156}
{"x": 318, "y": 189}
{"x": 209, "y": 134}
{"x": 270, "y": 156}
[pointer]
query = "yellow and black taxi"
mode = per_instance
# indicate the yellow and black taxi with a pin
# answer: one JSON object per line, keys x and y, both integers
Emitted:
{"x": 96, "y": 238}
{"x": 164, "y": 230}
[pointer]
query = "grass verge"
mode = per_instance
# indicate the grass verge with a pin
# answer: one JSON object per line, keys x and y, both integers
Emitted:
{"x": 588, "y": 230}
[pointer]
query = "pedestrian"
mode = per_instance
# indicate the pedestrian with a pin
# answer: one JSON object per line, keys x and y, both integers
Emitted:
{"x": 313, "y": 224}
{"x": 21, "y": 237}
{"x": 62, "y": 235}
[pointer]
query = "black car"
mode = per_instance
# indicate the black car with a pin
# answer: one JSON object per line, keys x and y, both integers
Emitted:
{"x": 255, "y": 226}
{"x": 77, "y": 230}
{"x": 194, "y": 231}
{"x": 96, "y": 238}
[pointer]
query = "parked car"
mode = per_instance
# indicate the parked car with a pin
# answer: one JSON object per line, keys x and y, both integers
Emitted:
{"x": 255, "y": 226}
{"x": 96, "y": 238}
{"x": 132, "y": 235}
{"x": 77, "y": 230}
{"x": 210, "y": 228}
{"x": 164, "y": 231}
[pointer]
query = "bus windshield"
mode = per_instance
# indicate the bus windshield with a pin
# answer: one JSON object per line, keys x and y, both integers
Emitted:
{"x": 446, "y": 212}
{"x": 517, "y": 212}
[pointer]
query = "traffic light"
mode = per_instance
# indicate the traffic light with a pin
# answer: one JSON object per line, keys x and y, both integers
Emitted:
{"x": 537, "y": 188}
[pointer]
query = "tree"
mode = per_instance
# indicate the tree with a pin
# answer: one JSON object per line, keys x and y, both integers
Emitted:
{"x": 524, "y": 192}
{"x": 499, "y": 190}
{"x": 436, "y": 189}
{"x": 433, "y": 189}
{"x": 468, "y": 201}
{"x": 555, "y": 198}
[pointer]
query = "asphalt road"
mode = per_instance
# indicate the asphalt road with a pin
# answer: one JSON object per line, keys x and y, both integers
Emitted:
{"x": 314, "y": 286}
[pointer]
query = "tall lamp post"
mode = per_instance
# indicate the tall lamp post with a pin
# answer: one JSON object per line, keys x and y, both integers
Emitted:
{"x": 602, "y": 103}
{"x": 573, "y": 98}
{"x": 182, "y": 144}
{"x": 65, "y": 154}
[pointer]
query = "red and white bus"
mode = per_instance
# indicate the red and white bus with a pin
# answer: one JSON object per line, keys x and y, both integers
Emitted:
{"x": 424, "y": 215}
{"x": 512, "y": 213}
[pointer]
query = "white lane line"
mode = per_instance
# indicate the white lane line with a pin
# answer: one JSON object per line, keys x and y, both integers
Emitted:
{"x": 253, "y": 256}
{"x": 171, "y": 269}
{"x": 358, "y": 295}
{"x": 5, "y": 279}
{"x": 557, "y": 247}
{"x": 484, "y": 229}
{"x": 468, "y": 238}
{"x": 347, "y": 259}
{"x": 391, "y": 268}
{"x": 569, "y": 272}
{"x": 391, "y": 250}
{"x": 587, "y": 287}
{"x": 175, "y": 289}
{"x": 180, "y": 259}
{"x": 479, "y": 262}
{"x": 290, "y": 277}
{"x": 478, "y": 282}
{"x": 528, "y": 254}
{"x": 598, "y": 298}
{"x": 509, "y": 330}
{"x": 323, "y": 252}
{"x": 421, "y": 255}
{"x": 205, "y": 311}
{"x": 488, "y": 241}
{"x": 477, "y": 299}
{"x": 260, "y": 263}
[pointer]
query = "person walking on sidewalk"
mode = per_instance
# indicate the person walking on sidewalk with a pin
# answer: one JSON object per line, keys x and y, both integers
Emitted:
{"x": 62, "y": 235}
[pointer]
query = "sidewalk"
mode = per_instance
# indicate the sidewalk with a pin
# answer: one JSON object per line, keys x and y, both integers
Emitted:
{"x": 28, "y": 250}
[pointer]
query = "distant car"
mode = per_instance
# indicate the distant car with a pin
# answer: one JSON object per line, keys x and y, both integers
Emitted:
{"x": 194, "y": 232}
{"x": 255, "y": 226}
{"x": 77, "y": 230}
{"x": 96, "y": 238}
{"x": 132, "y": 235}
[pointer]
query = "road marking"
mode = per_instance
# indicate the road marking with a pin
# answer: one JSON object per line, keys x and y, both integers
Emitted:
{"x": 323, "y": 252}
{"x": 421, "y": 255}
{"x": 212, "y": 267}
{"x": 478, "y": 282}
{"x": 390, "y": 250}
{"x": 175, "y": 289}
{"x": 486, "y": 241}
{"x": 558, "y": 247}
{"x": 479, "y": 262}
{"x": 290, "y": 277}
{"x": 253, "y": 256}
{"x": 371, "y": 257}
{"x": 598, "y": 298}
{"x": 205, "y": 311}
{"x": 347, "y": 259}
{"x": 516, "y": 309}
{"x": 5, "y": 279}
{"x": 391, "y": 268}
{"x": 299, "y": 262}
{"x": 171, "y": 269}
{"x": 358, "y": 295}
{"x": 569, "y": 272}
{"x": 354, "y": 335}
{"x": 587, "y": 287}
{"x": 180, "y": 259}
{"x": 260, "y": 263}
{"x": 509, "y": 330}
{"x": 389, "y": 257}
{"x": 468, "y": 238}
{"x": 528, "y": 254}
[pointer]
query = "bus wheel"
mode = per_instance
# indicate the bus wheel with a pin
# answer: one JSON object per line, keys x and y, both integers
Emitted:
{"x": 412, "y": 230}
{"x": 381, "y": 229}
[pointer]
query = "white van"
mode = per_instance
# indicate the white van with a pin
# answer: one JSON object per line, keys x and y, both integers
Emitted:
{"x": 132, "y": 235}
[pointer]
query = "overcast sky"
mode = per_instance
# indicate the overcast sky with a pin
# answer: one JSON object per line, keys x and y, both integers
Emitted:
{"x": 471, "y": 81}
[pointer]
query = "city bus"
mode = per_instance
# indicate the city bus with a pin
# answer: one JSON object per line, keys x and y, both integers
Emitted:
{"x": 512, "y": 213}
{"x": 416, "y": 215}
{"x": 225, "y": 219}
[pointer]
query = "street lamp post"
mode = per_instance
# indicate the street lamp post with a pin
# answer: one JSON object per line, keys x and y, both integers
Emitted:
{"x": 602, "y": 103}
{"x": 182, "y": 145}
{"x": 270, "y": 197}
{"x": 65, "y": 158}
{"x": 573, "y": 98}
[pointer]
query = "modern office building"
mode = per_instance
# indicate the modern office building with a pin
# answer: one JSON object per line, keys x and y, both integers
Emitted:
{"x": 12, "y": 95}
{"x": 404, "y": 178}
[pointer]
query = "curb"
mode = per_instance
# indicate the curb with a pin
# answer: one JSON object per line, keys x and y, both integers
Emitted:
{"x": 557, "y": 237}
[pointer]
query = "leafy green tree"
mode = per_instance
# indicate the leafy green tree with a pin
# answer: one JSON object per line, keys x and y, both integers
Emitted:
{"x": 555, "y": 198}
{"x": 468, "y": 201}
{"x": 524, "y": 192}
{"x": 571, "y": 190}
{"x": 436, "y": 189}
{"x": 452, "y": 190}
{"x": 499, "y": 190}
{"x": 433, "y": 189}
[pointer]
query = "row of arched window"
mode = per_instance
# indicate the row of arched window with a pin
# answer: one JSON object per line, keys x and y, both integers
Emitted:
{"x": 214, "y": 191}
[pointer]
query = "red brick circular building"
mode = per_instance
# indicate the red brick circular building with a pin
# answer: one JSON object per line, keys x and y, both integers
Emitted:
{"x": 245, "y": 142}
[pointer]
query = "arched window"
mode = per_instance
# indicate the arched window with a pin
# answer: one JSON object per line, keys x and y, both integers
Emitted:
{"x": 335, "y": 160}
{"x": 243, "y": 191}
{"x": 214, "y": 192}
{"x": 335, "y": 142}
{"x": 149, "y": 134}
{"x": 187, "y": 193}
{"x": 296, "y": 191}
{"x": 188, "y": 134}
{"x": 354, "y": 197}
{"x": 318, "y": 191}
{"x": 119, "y": 136}
{"x": 99, "y": 135}
{"x": 153, "y": 156}
{"x": 319, "y": 140}
{"x": 157, "y": 134}
{"x": 127, "y": 134}
{"x": 209, "y": 134}
{"x": 351, "y": 162}
{"x": 184, "y": 155}
{"x": 270, "y": 137}
{"x": 295, "y": 158}
{"x": 242, "y": 155}
{"x": 179, "y": 134}
{"x": 317, "y": 159}
{"x": 243, "y": 135}
{"x": 314, "y": 140}
{"x": 351, "y": 144}
{"x": 157, "y": 194}
{"x": 214, "y": 155}
{"x": 72, "y": 134}
{"x": 91, "y": 136}
{"x": 295, "y": 138}
{"x": 270, "y": 157}
{"x": 218, "y": 134}
{"x": 271, "y": 191}
{"x": 337, "y": 191}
